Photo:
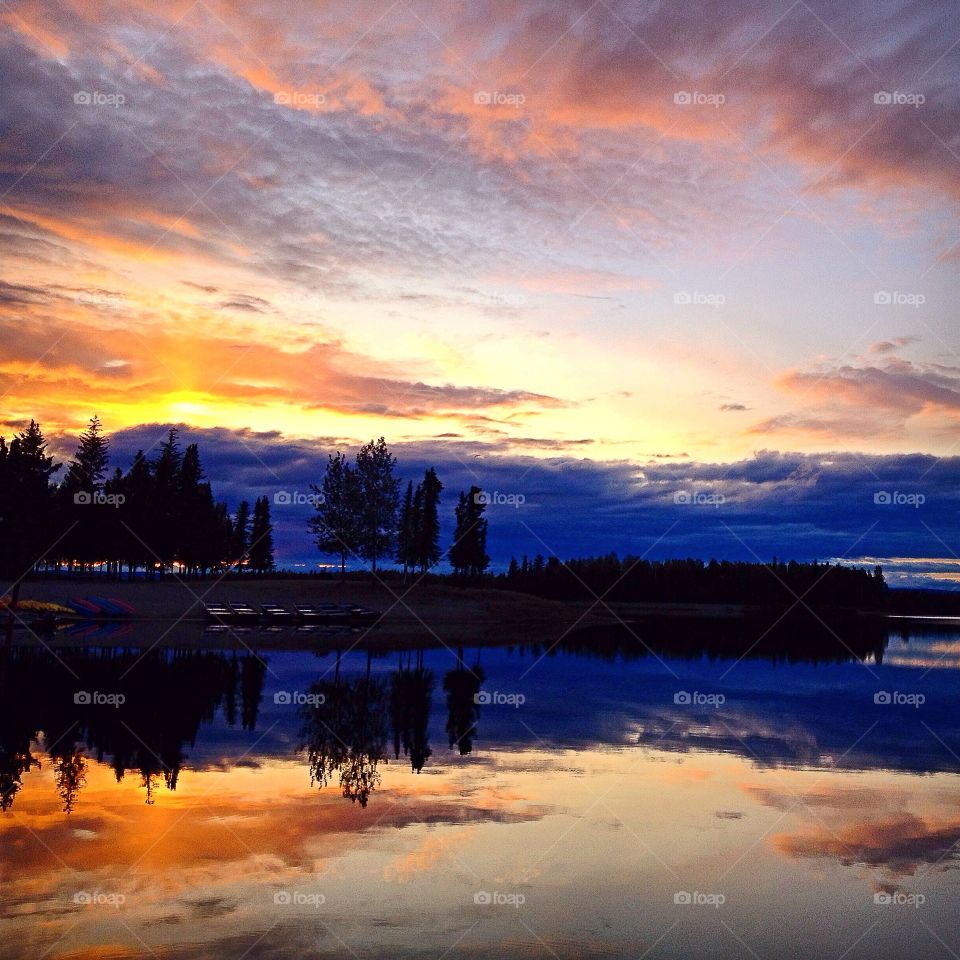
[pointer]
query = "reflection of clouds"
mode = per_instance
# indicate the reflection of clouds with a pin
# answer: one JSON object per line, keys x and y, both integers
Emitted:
{"x": 864, "y": 824}
{"x": 210, "y": 858}
{"x": 899, "y": 844}
{"x": 430, "y": 854}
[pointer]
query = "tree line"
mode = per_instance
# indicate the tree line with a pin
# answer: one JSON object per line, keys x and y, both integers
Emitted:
{"x": 158, "y": 515}
{"x": 161, "y": 514}
{"x": 345, "y": 738}
{"x": 632, "y": 579}
{"x": 359, "y": 514}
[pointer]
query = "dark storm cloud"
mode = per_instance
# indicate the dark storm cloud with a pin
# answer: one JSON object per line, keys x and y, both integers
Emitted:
{"x": 789, "y": 505}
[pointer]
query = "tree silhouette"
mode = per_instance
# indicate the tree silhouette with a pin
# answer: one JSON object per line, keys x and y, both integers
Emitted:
{"x": 462, "y": 684}
{"x": 411, "y": 694}
{"x": 406, "y": 531}
{"x": 468, "y": 553}
{"x": 346, "y": 734}
{"x": 336, "y": 523}
{"x": 240, "y": 542}
{"x": 379, "y": 495}
{"x": 70, "y": 776}
{"x": 140, "y": 736}
{"x": 261, "y": 537}
{"x": 26, "y": 504}
{"x": 428, "y": 523}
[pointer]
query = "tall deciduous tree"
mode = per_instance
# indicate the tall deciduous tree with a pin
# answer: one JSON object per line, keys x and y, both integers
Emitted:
{"x": 336, "y": 523}
{"x": 379, "y": 496}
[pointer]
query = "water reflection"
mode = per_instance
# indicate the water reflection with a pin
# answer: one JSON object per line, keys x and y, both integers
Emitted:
{"x": 400, "y": 786}
{"x": 143, "y": 712}
{"x": 345, "y": 733}
{"x": 137, "y": 711}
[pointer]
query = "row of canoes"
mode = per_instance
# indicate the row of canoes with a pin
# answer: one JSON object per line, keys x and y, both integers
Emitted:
{"x": 309, "y": 613}
{"x": 86, "y": 608}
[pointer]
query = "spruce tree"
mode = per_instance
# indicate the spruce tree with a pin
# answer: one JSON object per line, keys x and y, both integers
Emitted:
{"x": 405, "y": 532}
{"x": 428, "y": 522}
{"x": 240, "y": 542}
{"x": 261, "y": 537}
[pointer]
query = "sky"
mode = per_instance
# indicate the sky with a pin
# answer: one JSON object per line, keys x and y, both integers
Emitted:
{"x": 613, "y": 257}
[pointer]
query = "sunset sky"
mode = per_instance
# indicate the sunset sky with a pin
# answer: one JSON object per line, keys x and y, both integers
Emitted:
{"x": 592, "y": 252}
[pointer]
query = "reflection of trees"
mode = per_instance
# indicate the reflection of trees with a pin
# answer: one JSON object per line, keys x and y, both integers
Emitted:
{"x": 411, "y": 694}
{"x": 802, "y": 637}
{"x": 14, "y": 763}
{"x": 462, "y": 684}
{"x": 70, "y": 776}
{"x": 346, "y": 734}
{"x": 168, "y": 696}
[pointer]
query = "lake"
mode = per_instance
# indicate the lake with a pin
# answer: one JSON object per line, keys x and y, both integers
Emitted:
{"x": 664, "y": 798}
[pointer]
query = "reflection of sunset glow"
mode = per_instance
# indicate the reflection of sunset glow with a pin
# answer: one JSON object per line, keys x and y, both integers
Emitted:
{"x": 226, "y": 840}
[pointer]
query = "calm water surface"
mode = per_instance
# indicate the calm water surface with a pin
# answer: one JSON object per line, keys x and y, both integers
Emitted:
{"x": 494, "y": 802}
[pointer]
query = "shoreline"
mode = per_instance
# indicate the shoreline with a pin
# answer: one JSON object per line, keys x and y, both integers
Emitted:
{"x": 169, "y": 614}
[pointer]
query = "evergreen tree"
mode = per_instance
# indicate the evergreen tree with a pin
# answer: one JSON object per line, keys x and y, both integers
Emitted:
{"x": 79, "y": 514}
{"x": 134, "y": 514}
{"x": 261, "y": 537}
{"x": 240, "y": 542}
{"x": 468, "y": 553}
{"x": 26, "y": 501}
{"x": 88, "y": 468}
{"x": 405, "y": 531}
{"x": 428, "y": 522}
{"x": 162, "y": 523}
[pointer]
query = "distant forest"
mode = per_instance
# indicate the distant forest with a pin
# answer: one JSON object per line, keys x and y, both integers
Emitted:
{"x": 631, "y": 579}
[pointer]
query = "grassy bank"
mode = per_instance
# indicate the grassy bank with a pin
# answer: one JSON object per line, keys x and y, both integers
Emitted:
{"x": 450, "y": 613}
